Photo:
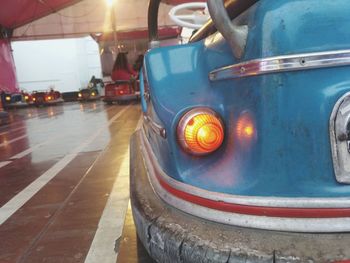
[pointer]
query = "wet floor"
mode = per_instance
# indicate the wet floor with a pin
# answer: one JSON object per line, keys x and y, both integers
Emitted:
{"x": 64, "y": 186}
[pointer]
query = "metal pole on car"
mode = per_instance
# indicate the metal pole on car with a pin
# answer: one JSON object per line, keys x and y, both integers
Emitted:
{"x": 111, "y": 9}
{"x": 114, "y": 25}
{"x": 115, "y": 37}
{"x": 153, "y": 8}
{"x": 236, "y": 35}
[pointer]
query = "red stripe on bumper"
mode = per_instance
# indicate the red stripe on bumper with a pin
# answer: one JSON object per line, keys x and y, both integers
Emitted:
{"x": 257, "y": 210}
{"x": 286, "y": 212}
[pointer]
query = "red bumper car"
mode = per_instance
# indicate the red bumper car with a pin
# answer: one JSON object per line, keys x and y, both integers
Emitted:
{"x": 42, "y": 98}
{"x": 121, "y": 91}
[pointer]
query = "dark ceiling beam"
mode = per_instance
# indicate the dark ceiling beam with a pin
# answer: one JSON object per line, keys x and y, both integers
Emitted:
{"x": 44, "y": 8}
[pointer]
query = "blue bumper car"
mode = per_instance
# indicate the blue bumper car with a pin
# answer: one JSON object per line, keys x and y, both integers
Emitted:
{"x": 16, "y": 100}
{"x": 244, "y": 151}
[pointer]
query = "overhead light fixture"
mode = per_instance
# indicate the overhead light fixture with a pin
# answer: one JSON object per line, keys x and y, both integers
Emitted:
{"x": 110, "y": 3}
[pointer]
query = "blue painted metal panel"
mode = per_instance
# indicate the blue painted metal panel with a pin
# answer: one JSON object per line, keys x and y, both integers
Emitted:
{"x": 289, "y": 27}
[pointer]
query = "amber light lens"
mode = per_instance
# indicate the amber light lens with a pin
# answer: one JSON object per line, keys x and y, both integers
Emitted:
{"x": 201, "y": 132}
{"x": 8, "y": 98}
{"x": 245, "y": 127}
{"x": 245, "y": 131}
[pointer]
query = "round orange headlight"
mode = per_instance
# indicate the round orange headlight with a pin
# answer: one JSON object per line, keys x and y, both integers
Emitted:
{"x": 200, "y": 131}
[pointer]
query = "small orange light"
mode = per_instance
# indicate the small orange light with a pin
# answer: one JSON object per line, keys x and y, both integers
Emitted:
{"x": 200, "y": 131}
{"x": 8, "y": 98}
{"x": 245, "y": 127}
{"x": 248, "y": 131}
{"x": 26, "y": 97}
{"x": 34, "y": 99}
{"x": 245, "y": 131}
{"x": 79, "y": 95}
{"x": 93, "y": 94}
{"x": 121, "y": 92}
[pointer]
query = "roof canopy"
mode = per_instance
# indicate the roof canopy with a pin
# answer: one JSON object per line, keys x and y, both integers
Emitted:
{"x": 46, "y": 19}
{"x": 16, "y": 13}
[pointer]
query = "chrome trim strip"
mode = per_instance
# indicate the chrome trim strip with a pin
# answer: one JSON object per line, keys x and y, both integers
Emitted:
{"x": 155, "y": 126}
{"x": 286, "y": 63}
{"x": 342, "y": 202}
{"x": 340, "y": 155}
{"x": 307, "y": 225}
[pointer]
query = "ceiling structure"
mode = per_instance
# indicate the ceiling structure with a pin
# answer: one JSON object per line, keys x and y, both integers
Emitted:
{"x": 16, "y": 13}
{"x": 47, "y": 19}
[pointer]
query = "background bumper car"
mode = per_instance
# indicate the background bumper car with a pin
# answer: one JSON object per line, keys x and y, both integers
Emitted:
{"x": 18, "y": 100}
{"x": 121, "y": 92}
{"x": 93, "y": 90}
{"x": 88, "y": 95}
{"x": 44, "y": 98}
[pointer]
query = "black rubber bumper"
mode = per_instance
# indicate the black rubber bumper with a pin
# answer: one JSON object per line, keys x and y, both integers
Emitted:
{"x": 169, "y": 235}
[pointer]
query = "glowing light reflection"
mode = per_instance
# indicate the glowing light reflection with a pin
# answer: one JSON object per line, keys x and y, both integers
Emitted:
{"x": 245, "y": 130}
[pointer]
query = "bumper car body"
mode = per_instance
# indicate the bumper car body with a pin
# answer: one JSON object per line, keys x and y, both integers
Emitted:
{"x": 277, "y": 186}
{"x": 44, "y": 98}
{"x": 89, "y": 94}
{"x": 121, "y": 91}
{"x": 18, "y": 100}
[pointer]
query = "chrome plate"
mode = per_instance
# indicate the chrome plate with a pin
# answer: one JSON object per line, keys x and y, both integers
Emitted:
{"x": 287, "y": 63}
{"x": 340, "y": 139}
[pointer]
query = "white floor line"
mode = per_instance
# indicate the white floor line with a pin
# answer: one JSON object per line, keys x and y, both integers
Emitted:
{"x": 8, "y": 209}
{"x": 32, "y": 149}
{"x": 27, "y": 151}
{"x": 12, "y": 130}
{"x": 13, "y": 140}
{"x": 111, "y": 223}
{"x": 2, "y": 164}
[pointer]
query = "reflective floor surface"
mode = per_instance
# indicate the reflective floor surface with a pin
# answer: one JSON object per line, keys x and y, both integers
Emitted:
{"x": 64, "y": 186}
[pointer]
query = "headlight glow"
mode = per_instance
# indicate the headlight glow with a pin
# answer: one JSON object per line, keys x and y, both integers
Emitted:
{"x": 200, "y": 131}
